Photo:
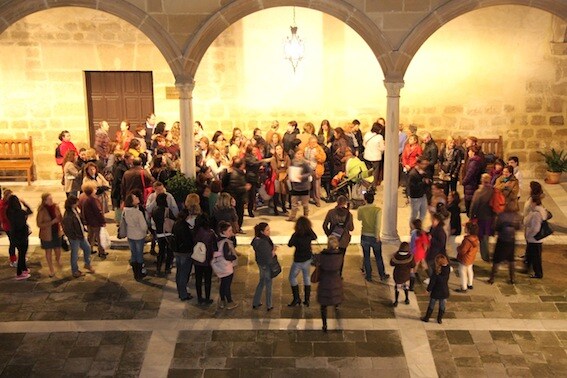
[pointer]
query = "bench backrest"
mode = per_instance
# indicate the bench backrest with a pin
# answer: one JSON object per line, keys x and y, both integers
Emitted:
{"x": 16, "y": 149}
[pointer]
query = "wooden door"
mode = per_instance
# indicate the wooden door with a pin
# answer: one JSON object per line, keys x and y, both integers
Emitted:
{"x": 114, "y": 96}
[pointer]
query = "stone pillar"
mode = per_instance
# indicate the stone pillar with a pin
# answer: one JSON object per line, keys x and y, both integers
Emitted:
{"x": 390, "y": 210}
{"x": 187, "y": 141}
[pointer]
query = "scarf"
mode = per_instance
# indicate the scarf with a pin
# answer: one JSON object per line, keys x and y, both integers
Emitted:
{"x": 53, "y": 214}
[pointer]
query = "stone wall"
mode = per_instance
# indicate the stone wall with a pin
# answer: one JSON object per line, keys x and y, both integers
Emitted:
{"x": 42, "y": 85}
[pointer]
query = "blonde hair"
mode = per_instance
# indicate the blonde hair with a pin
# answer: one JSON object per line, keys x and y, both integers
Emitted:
{"x": 333, "y": 242}
{"x": 223, "y": 201}
{"x": 485, "y": 178}
{"x": 192, "y": 199}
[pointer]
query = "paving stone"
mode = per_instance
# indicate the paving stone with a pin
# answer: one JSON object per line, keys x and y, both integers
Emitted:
{"x": 185, "y": 373}
{"x": 188, "y": 350}
{"x": 459, "y": 337}
{"x": 79, "y": 365}
{"x": 355, "y": 363}
{"x": 242, "y": 335}
{"x": 376, "y": 349}
{"x": 292, "y": 349}
{"x": 305, "y": 373}
{"x": 251, "y": 349}
{"x": 334, "y": 349}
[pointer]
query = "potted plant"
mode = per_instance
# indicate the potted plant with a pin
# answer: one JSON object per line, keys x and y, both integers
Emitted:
{"x": 556, "y": 164}
{"x": 180, "y": 186}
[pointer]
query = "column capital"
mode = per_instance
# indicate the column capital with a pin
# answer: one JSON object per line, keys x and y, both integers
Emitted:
{"x": 393, "y": 87}
{"x": 185, "y": 87}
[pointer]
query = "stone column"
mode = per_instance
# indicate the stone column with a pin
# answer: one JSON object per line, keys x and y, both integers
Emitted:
{"x": 187, "y": 141}
{"x": 390, "y": 210}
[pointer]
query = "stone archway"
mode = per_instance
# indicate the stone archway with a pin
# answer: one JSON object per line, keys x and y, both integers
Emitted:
{"x": 14, "y": 10}
{"x": 199, "y": 42}
{"x": 453, "y": 9}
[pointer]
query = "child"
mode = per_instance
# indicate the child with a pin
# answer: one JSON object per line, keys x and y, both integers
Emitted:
{"x": 454, "y": 208}
{"x": 403, "y": 264}
{"x": 438, "y": 287}
{"x": 466, "y": 255}
{"x": 419, "y": 243}
{"x": 226, "y": 248}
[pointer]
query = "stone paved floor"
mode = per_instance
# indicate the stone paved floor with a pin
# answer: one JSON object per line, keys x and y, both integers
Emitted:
{"x": 108, "y": 324}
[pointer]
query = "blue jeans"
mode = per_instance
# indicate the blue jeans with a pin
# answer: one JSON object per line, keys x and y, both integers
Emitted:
{"x": 367, "y": 243}
{"x": 304, "y": 267}
{"x": 184, "y": 265}
{"x": 442, "y": 303}
{"x": 137, "y": 250}
{"x": 75, "y": 244}
{"x": 418, "y": 208}
{"x": 265, "y": 280}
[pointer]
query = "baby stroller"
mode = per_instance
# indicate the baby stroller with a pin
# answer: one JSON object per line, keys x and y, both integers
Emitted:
{"x": 353, "y": 183}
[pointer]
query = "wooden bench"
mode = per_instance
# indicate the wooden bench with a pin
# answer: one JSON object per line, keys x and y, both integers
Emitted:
{"x": 16, "y": 155}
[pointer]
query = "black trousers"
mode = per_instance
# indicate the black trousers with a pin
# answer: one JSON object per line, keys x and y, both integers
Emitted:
{"x": 533, "y": 257}
{"x": 203, "y": 273}
{"x": 224, "y": 291}
{"x": 239, "y": 210}
{"x": 22, "y": 247}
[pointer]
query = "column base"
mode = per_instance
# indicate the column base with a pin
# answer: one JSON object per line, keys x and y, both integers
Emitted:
{"x": 390, "y": 239}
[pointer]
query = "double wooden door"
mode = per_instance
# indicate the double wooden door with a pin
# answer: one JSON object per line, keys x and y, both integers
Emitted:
{"x": 114, "y": 96}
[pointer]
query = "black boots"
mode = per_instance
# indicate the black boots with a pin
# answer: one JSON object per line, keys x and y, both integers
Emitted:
{"x": 307, "y": 292}
{"x": 138, "y": 271}
{"x": 406, "y": 292}
{"x": 440, "y": 316}
{"x": 427, "y": 315}
{"x": 411, "y": 283}
{"x": 296, "y": 300}
{"x": 324, "y": 317}
{"x": 395, "y": 304}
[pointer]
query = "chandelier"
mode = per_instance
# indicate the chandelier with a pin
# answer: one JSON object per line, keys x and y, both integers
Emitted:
{"x": 293, "y": 46}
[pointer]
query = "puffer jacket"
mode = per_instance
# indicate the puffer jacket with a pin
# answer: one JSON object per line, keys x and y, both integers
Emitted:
{"x": 472, "y": 176}
{"x": 403, "y": 264}
{"x": 466, "y": 252}
{"x": 330, "y": 288}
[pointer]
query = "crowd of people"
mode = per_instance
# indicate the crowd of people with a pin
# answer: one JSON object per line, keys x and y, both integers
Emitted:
{"x": 129, "y": 174}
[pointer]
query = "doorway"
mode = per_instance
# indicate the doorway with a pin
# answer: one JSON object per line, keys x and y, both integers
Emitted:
{"x": 114, "y": 96}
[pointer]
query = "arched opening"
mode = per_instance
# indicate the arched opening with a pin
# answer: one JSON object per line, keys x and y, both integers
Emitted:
{"x": 243, "y": 80}
{"x": 42, "y": 80}
{"x": 489, "y": 73}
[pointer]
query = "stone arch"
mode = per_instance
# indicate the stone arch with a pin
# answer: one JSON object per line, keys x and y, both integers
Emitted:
{"x": 453, "y": 9}
{"x": 14, "y": 10}
{"x": 202, "y": 39}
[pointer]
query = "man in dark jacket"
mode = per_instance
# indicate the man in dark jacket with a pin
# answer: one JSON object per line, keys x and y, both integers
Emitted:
{"x": 431, "y": 154}
{"x": 289, "y": 140}
{"x": 74, "y": 230}
{"x": 92, "y": 217}
{"x": 132, "y": 179}
{"x": 238, "y": 188}
{"x": 339, "y": 223}
{"x": 121, "y": 165}
{"x": 418, "y": 182}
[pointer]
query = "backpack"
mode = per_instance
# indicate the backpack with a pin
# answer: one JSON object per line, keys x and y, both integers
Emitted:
{"x": 199, "y": 252}
{"x": 58, "y": 155}
{"x": 497, "y": 201}
{"x": 221, "y": 266}
{"x": 339, "y": 228}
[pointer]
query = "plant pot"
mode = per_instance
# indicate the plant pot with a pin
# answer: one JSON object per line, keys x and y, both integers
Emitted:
{"x": 552, "y": 177}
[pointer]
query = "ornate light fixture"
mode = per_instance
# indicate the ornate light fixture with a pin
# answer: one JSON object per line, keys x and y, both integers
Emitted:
{"x": 293, "y": 46}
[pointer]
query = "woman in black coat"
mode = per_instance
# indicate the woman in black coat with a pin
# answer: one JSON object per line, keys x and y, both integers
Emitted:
{"x": 438, "y": 241}
{"x": 203, "y": 271}
{"x": 438, "y": 288}
{"x": 20, "y": 232}
{"x": 330, "y": 289}
{"x": 472, "y": 175}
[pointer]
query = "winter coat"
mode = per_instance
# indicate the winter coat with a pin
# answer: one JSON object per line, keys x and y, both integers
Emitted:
{"x": 102, "y": 143}
{"x": 290, "y": 142}
{"x": 263, "y": 250}
{"x": 99, "y": 182}
{"x": 507, "y": 223}
{"x": 279, "y": 170}
{"x": 304, "y": 185}
{"x": 136, "y": 226}
{"x": 338, "y": 149}
{"x": 450, "y": 161}
{"x": 431, "y": 153}
{"x": 472, "y": 176}
{"x": 43, "y": 220}
{"x": 91, "y": 211}
{"x": 237, "y": 187}
{"x": 63, "y": 148}
{"x": 373, "y": 146}
{"x": 158, "y": 217}
{"x": 419, "y": 243}
{"x": 118, "y": 170}
{"x": 439, "y": 283}
{"x": 71, "y": 177}
{"x": 455, "y": 222}
{"x": 466, "y": 252}
{"x": 410, "y": 154}
{"x": 403, "y": 264}
{"x": 132, "y": 179}
{"x": 330, "y": 288}
{"x": 510, "y": 190}
{"x": 532, "y": 223}
{"x": 207, "y": 237}
{"x": 316, "y": 158}
{"x": 72, "y": 225}
{"x": 18, "y": 222}
{"x": 416, "y": 186}
{"x": 336, "y": 216}
{"x": 438, "y": 243}
{"x": 184, "y": 238}
{"x": 480, "y": 205}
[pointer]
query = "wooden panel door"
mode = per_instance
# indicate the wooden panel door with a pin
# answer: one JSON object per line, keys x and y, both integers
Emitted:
{"x": 114, "y": 96}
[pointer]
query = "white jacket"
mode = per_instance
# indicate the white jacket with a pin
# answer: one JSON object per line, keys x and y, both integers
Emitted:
{"x": 373, "y": 146}
{"x": 532, "y": 223}
{"x": 136, "y": 225}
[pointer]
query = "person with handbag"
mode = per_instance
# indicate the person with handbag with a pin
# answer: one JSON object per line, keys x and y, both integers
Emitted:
{"x": 339, "y": 223}
{"x": 74, "y": 230}
{"x": 315, "y": 156}
{"x": 330, "y": 287}
{"x": 19, "y": 232}
{"x": 92, "y": 217}
{"x": 300, "y": 177}
{"x": 162, "y": 220}
{"x": 302, "y": 257}
{"x": 532, "y": 226}
{"x": 49, "y": 222}
{"x": 224, "y": 261}
{"x": 205, "y": 245}
{"x": 134, "y": 225}
{"x": 373, "y": 143}
{"x": 182, "y": 244}
{"x": 280, "y": 163}
{"x": 264, "y": 251}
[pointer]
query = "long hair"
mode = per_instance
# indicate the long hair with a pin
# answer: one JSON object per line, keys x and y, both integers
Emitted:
{"x": 70, "y": 156}
{"x": 303, "y": 226}
{"x": 259, "y": 229}
{"x": 440, "y": 262}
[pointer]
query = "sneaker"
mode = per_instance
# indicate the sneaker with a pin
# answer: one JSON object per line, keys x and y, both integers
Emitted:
{"x": 14, "y": 264}
{"x": 89, "y": 268}
{"x": 406, "y": 301}
{"x": 231, "y": 305}
{"x": 221, "y": 303}
{"x": 77, "y": 274}
{"x": 23, "y": 276}
{"x": 459, "y": 290}
{"x": 470, "y": 287}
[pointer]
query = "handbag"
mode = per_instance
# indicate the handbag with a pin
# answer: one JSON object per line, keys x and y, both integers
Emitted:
{"x": 167, "y": 222}
{"x": 147, "y": 190}
{"x": 122, "y": 228}
{"x": 275, "y": 267}
{"x": 544, "y": 231}
{"x": 316, "y": 272}
{"x": 64, "y": 244}
{"x": 104, "y": 238}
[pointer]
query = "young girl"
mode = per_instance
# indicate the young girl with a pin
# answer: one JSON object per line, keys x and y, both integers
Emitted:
{"x": 466, "y": 255}
{"x": 419, "y": 243}
{"x": 226, "y": 247}
{"x": 454, "y": 209}
{"x": 301, "y": 240}
{"x": 438, "y": 287}
{"x": 403, "y": 264}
